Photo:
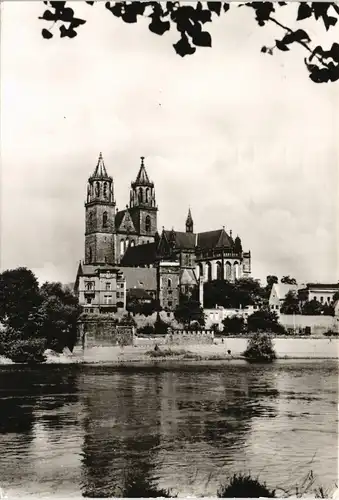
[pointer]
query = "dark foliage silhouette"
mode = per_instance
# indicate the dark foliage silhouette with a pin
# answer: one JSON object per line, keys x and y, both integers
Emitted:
{"x": 190, "y": 20}
{"x": 242, "y": 486}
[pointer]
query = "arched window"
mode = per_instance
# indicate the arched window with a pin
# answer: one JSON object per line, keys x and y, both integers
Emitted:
{"x": 219, "y": 271}
{"x": 132, "y": 243}
{"x": 140, "y": 195}
{"x": 146, "y": 195}
{"x": 126, "y": 243}
{"x": 90, "y": 219}
{"x": 122, "y": 247}
{"x": 201, "y": 270}
{"x": 104, "y": 219}
{"x": 228, "y": 271}
{"x": 236, "y": 270}
{"x": 97, "y": 190}
{"x": 105, "y": 190}
{"x": 90, "y": 256}
{"x": 169, "y": 283}
{"x": 148, "y": 224}
{"x": 209, "y": 271}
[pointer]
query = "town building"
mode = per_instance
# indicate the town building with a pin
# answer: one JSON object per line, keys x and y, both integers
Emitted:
{"x": 321, "y": 292}
{"x": 127, "y": 243}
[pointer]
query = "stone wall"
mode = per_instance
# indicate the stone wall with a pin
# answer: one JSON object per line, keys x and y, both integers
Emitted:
{"x": 104, "y": 332}
{"x": 188, "y": 337}
{"x": 318, "y": 324}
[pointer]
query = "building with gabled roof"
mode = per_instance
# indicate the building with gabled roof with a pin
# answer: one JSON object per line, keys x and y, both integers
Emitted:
{"x": 128, "y": 240}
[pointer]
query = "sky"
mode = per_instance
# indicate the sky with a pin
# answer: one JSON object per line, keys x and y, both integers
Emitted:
{"x": 243, "y": 138}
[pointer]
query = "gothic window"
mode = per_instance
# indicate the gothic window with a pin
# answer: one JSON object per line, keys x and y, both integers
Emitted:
{"x": 236, "y": 270}
{"x": 201, "y": 271}
{"x": 89, "y": 285}
{"x": 140, "y": 196}
{"x": 105, "y": 191}
{"x": 90, "y": 219}
{"x": 147, "y": 195}
{"x": 90, "y": 256}
{"x": 132, "y": 243}
{"x": 219, "y": 271}
{"x": 122, "y": 247}
{"x": 104, "y": 219}
{"x": 97, "y": 190}
{"x": 148, "y": 224}
{"x": 228, "y": 271}
{"x": 127, "y": 243}
{"x": 169, "y": 283}
{"x": 209, "y": 271}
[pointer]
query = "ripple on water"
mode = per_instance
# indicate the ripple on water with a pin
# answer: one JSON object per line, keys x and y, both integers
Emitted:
{"x": 84, "y": 428}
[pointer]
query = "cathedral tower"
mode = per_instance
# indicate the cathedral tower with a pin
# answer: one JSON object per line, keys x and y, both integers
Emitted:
{"x": 100, "y": 214}
{"x": 189, "y": 222}
{"x": 142, "y": 206}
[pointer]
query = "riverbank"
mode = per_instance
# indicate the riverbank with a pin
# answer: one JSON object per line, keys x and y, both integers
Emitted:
{"x": 286, "y": 349}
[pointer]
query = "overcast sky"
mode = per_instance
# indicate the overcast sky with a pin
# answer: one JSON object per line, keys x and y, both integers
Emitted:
{"x": 243, "y": 138}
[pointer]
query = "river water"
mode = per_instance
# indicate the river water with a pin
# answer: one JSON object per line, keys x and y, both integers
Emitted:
{"x": 77, "y": 430}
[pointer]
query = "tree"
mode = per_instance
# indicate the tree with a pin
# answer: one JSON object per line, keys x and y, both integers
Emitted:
{"x": 189, "y": 310}
{"x": 312, "y": 307}
{"x": 288, "y": 280}
{"x": 291, "y": 303}
{"x": 19, "y": 299}
{"x": 60, "y": 311}
{"x": 241, "y": 293}
{"x": 335, "y": 297}
{"x": 264, "y": 320}
{"x": 234, "y": 324}
{"x": 271, "y": 280}
{"x": 190, "y": 21}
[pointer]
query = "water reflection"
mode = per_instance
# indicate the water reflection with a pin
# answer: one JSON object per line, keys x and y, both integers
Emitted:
{"x": 94, "y": 430}
{"x": 121, "y": 432}
{"x": 133, "y": 418}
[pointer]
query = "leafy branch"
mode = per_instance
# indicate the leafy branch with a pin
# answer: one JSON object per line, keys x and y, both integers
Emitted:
{"x": 189, "y": 21}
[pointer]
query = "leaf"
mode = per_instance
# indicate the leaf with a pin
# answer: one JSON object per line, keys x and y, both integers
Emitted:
{"x": 214, "y": 7}
{"x": 281, "y": 46}
{"x": 202, "y": 39}
{"x": 264, "y": 49}
{"x": 67, "y": 32}
{"x": 183, "y": 47}
{"x": 304, "y": 11}
{"x": 226, "y": 6}
{"x": 48, "y": 16}
{"x": 159, "y": 27}
{"x": 296, "y": 36}
{"x": 46, "y": 34}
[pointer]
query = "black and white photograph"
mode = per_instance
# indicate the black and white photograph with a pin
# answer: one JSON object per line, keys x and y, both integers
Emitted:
{"x": 169, "y": 259}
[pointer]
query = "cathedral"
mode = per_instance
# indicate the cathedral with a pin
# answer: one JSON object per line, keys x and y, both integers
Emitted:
{"x": 126, "y": 247}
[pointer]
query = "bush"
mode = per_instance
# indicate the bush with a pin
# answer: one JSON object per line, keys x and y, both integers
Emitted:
{"x": 331, "y": 333}
{"x": 24, "y": 351}
{"x": 234, "y": 324}
{"x": 147, "y": 330}
{"x": 161, "y": 327}
{"x": 242, "y": 486}
{"x": 260, "y": 348}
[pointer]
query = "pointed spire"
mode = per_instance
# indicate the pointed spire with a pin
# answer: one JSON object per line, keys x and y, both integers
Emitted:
{"x": 189, "y": 222}
{"x": 100, "y": 169}
{"x": 189, "y": 219}
{"x": 142, "y": 177}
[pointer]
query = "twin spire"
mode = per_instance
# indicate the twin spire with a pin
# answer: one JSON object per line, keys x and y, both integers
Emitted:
{"x": 142, "y": 178}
